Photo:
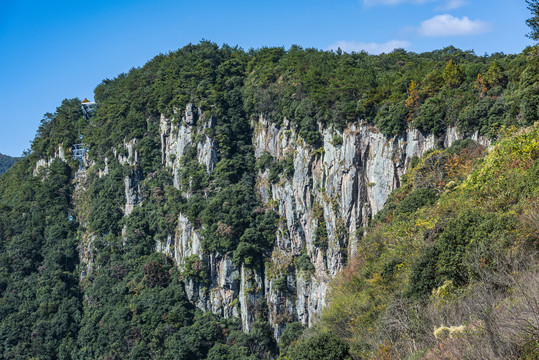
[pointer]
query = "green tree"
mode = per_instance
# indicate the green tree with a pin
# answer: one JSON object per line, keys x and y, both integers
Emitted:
{"x": 453, "y": 74}
{"x": 533, "y": 22}
{"x": 494, "y": 76}
{"x": 324, "y": 346}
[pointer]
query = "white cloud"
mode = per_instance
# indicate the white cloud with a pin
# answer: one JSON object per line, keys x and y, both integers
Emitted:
{"x": 451, "y": 5}
{"x": 371, "y": 48}
{"x": 448, "y": 25}
{"x": 394, "y": 2}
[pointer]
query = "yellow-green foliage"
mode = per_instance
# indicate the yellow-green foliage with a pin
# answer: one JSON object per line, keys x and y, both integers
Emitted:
{"x": 443, "y": 294}
{"x": 509, "y": 172}
{"x": 444, "y": 332}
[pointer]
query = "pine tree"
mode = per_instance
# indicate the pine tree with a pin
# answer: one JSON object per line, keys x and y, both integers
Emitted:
{"x": 533, "y": 22}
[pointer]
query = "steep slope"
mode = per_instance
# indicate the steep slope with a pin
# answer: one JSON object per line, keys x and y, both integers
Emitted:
{"x": 239, "y": 183}
{"x": 449, "y": 268}
{"x": 6, "y": 162}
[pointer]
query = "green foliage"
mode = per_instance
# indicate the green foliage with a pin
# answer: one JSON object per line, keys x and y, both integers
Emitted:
{"x": 303, "y": 262}
{"x": 321, "y": 233}
{"x": 453, "y": 243}
{"x": 6, "y": 162}
{"x": 432, "y": 115}
{"x": 391, "y": 118}
{"x": 320, "y": 347}
{"x": 280, "y": 285}
{"x": 409, "y": 203}
{"x": 150, "y": 154}
{"x": 59, "y": 128}
{"x": 533, "y": 22}
{"x": 257, "y": 240}
{"x": 460, "y": 145}
{"x": 290, "y": 335}
{"x": 336, "y": 140}
{"x": 463, "y": 218}
{"x": 418, "y": 198}
{"x": 107, "y": 201}
{"x": 284, "y": 167}
{"x": 452, "y": 74}
{"x": 130, "y": 302}
{"x": 311, "y": 88}
{"x": 390, "y": 269}
{"x": 40, "y": 298}
{"x": 318, "y": 88}
{"x": 133, "y": 303}
{"x": 193, "y": 268}
{"x": 414, "y": 162}
{"x": 265, "y": 161}
{"x": 424, "y": 276}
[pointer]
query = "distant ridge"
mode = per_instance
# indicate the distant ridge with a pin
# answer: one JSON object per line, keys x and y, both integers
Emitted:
{"x": 6, "y": 162}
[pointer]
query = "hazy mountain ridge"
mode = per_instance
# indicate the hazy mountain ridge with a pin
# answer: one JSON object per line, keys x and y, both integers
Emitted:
{"x": 6, "y": 162}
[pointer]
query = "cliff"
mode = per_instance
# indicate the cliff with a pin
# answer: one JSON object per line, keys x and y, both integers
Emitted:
{"x": 338, "y": 187}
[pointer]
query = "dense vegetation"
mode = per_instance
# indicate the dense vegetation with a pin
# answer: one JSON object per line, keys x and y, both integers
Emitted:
{"x": 131, "y": 302}
{"x": 456, "y": 231}
{"x": 311, "y": 88}
{"x": 6, "y": 162}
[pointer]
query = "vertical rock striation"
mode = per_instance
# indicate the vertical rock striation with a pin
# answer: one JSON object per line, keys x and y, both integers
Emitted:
{"x": 338, "y": 187}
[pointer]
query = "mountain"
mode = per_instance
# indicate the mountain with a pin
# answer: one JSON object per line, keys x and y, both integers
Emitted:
{"x": 226, "y": 200}
{"x": 6, "y": 162}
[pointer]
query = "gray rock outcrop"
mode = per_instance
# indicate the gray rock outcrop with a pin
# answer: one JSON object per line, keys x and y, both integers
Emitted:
{"x": 342, "y": 184}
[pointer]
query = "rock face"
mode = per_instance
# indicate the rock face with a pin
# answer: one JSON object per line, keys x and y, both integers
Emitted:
{"x": 343, "y": 185}
{"x": 59, "y": 152}
{"x": 176, "y": 138}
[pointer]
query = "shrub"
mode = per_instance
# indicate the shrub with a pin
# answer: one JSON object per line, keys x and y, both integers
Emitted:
{"x": 290, "y": 334}
{"x": 320, "y": 347}
{"x": 303, "y": 263}
{"x": 284, "y": 167}
{"x": 431, "y": 118}
{"x": 424, "y": 276}
{"x": 308, "y": 130}
{"x": 264, "y": 161}
{"x": 460, "y": 145}
{"x": 391, "y": 118}
{"x": 417, "y": 199}
{"x": 321, "y": 235}
{"x": 150, "y": 154}
{"x": 336, "y": 140}
{"x": 414, "y": 161}
{"x": 453, "y": 243}
{"x": 280, "y": 285}
{"x": 194, "y": 268}
{"x": 389, "y": 269}
{"x": 156, "y": 274}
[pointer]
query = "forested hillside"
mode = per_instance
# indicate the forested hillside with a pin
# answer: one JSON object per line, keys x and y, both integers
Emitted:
{"x": 203, "y": 223}
{"x": 6, "y": 162}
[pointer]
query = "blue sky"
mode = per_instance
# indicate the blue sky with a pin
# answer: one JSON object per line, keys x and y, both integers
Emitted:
{"x": 59, "y": 49}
